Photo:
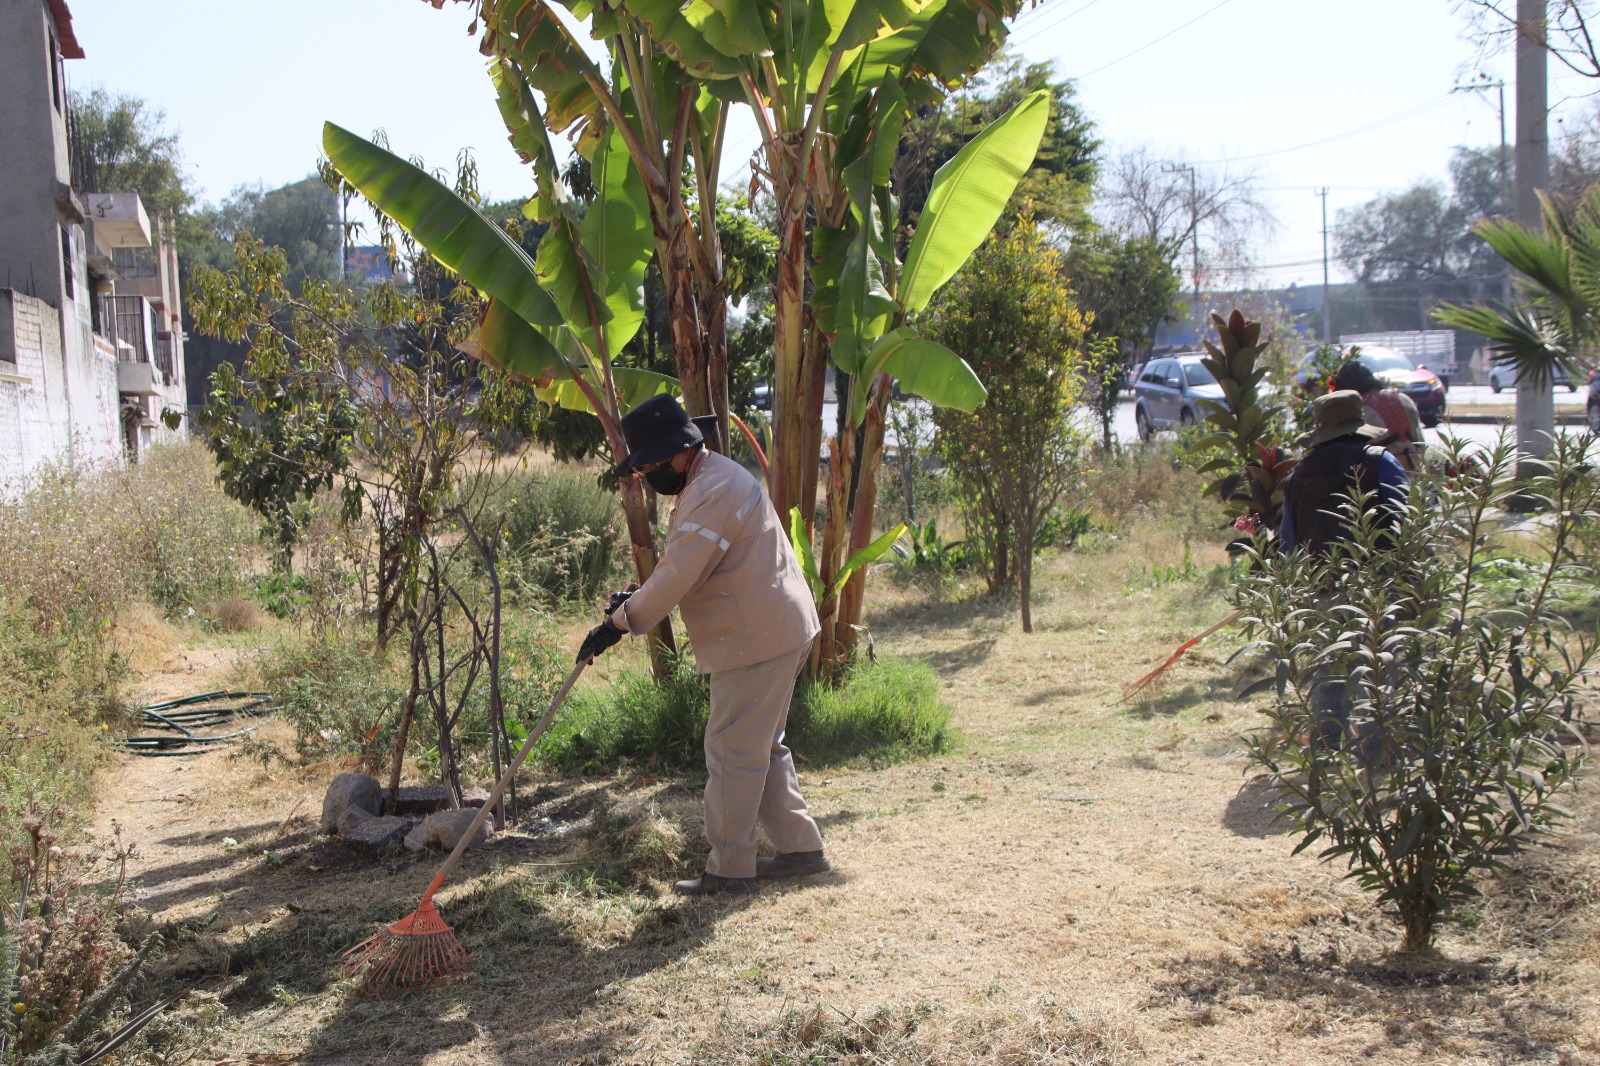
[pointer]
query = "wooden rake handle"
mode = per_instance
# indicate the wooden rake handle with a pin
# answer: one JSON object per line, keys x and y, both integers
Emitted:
{"x": 505, "y": 781}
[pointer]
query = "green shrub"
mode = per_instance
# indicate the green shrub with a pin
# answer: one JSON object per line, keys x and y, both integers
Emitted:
{"x": 560, "y": 538}
{"x": 280, "y": 595}
{"x": 333, "y": 687}
{"x": 883, "y": 712}
{"x": 1458, "y": 689}
{"x": 923, "y": 551}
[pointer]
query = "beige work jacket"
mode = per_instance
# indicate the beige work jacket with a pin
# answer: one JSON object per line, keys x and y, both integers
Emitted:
{"x": 729, "y": 568}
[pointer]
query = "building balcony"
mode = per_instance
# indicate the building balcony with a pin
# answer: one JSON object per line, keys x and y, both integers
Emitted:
{"x": 137, "y": 379}
{"x": 119, "y": 220}
{"x": 132, "y": 327}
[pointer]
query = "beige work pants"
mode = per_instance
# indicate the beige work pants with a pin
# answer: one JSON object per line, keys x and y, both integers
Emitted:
{"x": 751, "y": 772}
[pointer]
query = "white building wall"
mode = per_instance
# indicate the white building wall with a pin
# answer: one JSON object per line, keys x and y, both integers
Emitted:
{"x": 56, "y": 402}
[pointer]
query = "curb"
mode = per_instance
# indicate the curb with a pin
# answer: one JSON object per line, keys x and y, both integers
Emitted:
{"x": 1561, "y": 419}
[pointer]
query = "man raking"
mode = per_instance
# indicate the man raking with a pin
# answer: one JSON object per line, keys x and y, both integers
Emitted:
{"x": 729, "y": 569}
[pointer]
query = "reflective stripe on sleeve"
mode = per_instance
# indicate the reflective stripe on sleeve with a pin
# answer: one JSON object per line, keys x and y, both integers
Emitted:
{"x": 750, "y": 501}
{"x": 710, "y": 534}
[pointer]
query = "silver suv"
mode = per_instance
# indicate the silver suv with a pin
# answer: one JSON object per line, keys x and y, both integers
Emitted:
{"x": 1169, "y": 393}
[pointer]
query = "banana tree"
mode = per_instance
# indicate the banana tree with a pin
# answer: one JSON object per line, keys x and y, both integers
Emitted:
{"x": 869, "y": 297}
{"x": 829, "y": 85}
{"x": 556, "y": 321}
{"x": 670, "y": 123}
{"x": 806, "y": 67}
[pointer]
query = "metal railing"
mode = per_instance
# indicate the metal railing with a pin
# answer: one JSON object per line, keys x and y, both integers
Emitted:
{"x": 164, "y": 359}
{"x": 126, "y": 320}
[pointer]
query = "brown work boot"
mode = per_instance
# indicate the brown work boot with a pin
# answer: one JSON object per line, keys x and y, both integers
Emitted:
{"x": 792, "y": 864}
{"x": 712, "y": 885}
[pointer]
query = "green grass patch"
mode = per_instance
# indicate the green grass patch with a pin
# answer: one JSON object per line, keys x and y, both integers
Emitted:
{"x": 884, "y": 712}
{"x": 881, "y": 713}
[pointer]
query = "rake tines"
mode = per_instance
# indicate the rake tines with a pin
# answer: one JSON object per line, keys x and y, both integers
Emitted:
{"x": 417, "y": 952}
{"x": 420, "y": 951}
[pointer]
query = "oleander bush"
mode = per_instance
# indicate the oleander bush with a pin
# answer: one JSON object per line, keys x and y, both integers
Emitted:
{"x": 1422, "y": 730}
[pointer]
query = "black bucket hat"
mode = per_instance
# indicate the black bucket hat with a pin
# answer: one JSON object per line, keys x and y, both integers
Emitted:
{"x": 657, "y": 429}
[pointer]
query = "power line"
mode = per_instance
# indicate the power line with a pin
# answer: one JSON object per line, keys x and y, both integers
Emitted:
{"x": 1409, "y": 113}
{"x": 1023, "y": 23}
{"x": 1158, "y": 40}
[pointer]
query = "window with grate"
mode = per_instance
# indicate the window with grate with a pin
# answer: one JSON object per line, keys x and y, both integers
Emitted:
{"x": 66, "y": 262}
{"x": 134, "y": 262}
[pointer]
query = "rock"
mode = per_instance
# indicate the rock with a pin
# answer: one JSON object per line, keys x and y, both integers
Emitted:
{"x": 346, "y": 791}
{"x": 417, "y": 801}
{"x": 474, "y": 797}
{"x": 444, "y": 830}
{"x": 417, "y": 839}
{"x": 352, "y": 817}
{"x": 380, "y": 834}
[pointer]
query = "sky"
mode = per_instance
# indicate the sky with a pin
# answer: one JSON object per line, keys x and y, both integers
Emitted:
{"x": 1363, "y": 85}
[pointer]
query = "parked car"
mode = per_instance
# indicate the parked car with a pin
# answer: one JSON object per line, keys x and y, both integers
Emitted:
{"x": 1169, "y": 393}
{"x": 1504, "y": 376}
{"x": 1395, "y": 371}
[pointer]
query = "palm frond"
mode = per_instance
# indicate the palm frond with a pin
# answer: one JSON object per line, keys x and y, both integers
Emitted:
{"x": 1540, "y": 255}
{"x": 1531, "y": 340}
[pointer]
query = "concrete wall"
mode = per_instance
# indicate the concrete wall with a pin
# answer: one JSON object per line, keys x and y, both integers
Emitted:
{"x": 53, "y": 405}
{"x": 34, "y": 162}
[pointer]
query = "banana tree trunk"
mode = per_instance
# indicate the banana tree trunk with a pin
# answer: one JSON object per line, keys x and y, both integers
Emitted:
{"x": 714, "y": 313}
{"x": 790, "y": 401}
{"x": 825, "y": 653}
{"x": 641, "y": 534}
{"x": 683, "y": 317}
{"x": 852, "y": 600}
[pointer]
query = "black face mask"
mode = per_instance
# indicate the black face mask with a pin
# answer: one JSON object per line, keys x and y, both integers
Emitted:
{"x": 667, "y": 481}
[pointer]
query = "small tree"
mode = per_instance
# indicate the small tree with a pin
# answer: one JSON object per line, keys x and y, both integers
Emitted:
{"x": 1426, "y": 685}
{"x": 1127, "y": 286}
{"x": 1010, "y": 315}
{"x": 359, "y": 390}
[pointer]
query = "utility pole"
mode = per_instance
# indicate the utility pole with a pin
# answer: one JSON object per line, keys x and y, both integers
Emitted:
{"x": 1194, "y": 233}
{"x": 1535, "y": 403}
{"x": 1506, "y": 202}
{"x": 1327, "y": 307}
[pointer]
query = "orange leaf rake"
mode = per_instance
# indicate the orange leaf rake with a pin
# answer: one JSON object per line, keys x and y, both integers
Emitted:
{"x": 421, "y": 950}
{"x": 1132, "y": 689}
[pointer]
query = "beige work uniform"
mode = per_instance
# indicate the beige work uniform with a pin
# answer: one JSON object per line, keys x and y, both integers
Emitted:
{"x": 729, "y": 569}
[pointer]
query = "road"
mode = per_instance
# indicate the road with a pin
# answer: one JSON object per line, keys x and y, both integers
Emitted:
{"x": 1462, "y": 400}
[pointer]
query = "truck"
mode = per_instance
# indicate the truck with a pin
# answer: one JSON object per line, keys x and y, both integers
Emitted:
{"x": 1434, "y": 349}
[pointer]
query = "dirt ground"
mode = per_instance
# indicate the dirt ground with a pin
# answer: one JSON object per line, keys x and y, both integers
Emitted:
{"x": 1081, "y": 881}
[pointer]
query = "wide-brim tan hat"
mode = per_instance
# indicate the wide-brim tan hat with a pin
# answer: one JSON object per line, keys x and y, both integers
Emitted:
{"x": 1339, "y": 414}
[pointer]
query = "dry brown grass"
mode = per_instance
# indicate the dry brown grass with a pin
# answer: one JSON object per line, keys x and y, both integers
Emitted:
{"x": 1081, "y": 882}
{"x": 233, "y": 613}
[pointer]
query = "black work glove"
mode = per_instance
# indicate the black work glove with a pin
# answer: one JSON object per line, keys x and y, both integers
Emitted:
{"x": 620, "y": 597}
{"x": 599, "y": 639}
